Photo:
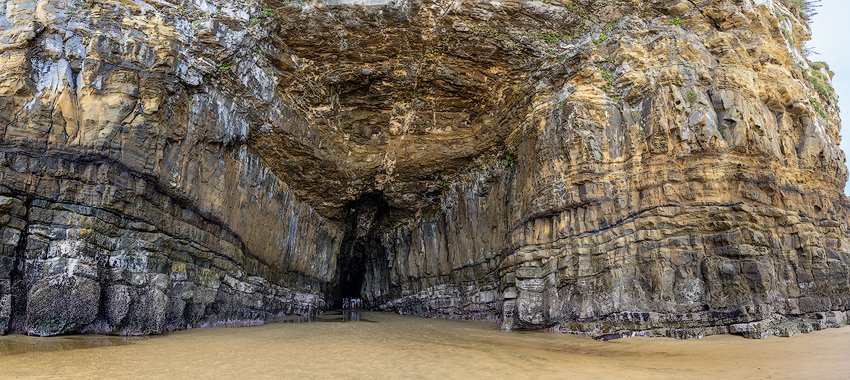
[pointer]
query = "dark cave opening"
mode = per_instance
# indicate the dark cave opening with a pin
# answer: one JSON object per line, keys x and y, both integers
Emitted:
{"x": 361, "y": 249}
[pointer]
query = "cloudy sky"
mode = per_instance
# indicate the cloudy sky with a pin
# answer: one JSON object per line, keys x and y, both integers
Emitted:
{"x": 831, "y": 43}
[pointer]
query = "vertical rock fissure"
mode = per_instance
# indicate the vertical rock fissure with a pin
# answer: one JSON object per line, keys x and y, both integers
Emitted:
{"x": 362, "y": 253}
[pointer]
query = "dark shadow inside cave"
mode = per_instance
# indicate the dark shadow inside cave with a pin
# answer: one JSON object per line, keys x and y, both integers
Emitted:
{"x": 361, "y": 249}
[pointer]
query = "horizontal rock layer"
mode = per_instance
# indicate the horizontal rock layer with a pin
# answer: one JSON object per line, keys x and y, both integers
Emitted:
{"x": 656, "y": 167}
{"x": 82, "y": 254}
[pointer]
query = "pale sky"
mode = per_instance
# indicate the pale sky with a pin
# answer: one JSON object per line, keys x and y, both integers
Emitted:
{"x": 831, "y": 43}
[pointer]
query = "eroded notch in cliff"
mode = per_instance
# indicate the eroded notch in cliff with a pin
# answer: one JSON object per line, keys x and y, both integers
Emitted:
{"x": 361, "y": 253}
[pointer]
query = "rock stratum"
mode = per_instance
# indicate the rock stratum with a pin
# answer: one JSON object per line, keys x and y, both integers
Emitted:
{"x": 607, "y": 167}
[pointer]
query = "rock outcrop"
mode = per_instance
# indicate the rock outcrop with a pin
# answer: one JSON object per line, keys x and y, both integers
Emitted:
{"x": 664, "y": 167}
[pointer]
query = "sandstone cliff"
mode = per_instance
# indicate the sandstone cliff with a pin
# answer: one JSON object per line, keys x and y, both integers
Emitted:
{"x": 667, "y": 167}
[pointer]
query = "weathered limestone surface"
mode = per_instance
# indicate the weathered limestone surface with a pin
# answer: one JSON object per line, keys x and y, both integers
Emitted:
{"x": 665, "y": 167}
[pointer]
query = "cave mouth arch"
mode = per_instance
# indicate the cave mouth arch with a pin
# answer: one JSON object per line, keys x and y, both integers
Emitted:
{"x": 361, "y": 253}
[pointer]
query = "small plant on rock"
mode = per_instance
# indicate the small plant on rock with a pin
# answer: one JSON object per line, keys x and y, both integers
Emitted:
{"x": 692, "y": 97}
{"x": 508, "y": 160}
{"x": 818, "y": 106}
{"x": 602, "y": 38}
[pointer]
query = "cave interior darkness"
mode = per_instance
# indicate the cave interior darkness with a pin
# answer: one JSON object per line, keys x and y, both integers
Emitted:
{"x": 361, "y": 249}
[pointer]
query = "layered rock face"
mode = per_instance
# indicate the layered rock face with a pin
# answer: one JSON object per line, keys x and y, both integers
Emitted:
{"x": 132, "y": 203}
{"x": 662, "y": 167}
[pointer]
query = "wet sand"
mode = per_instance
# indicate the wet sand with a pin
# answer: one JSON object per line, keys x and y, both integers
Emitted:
{"x": 391, "y": 346}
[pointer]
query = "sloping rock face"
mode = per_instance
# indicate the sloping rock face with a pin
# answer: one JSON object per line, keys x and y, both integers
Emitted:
{"x": 655, "y": 167}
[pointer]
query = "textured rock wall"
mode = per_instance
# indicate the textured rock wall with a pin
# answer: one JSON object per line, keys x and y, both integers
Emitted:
{"x": 134, "y": 204}
{"x": 680, "y": 183}
{"x": 719, "y": 208}
{"x": 658, "y": 167}
{"x": 448, "y": 262}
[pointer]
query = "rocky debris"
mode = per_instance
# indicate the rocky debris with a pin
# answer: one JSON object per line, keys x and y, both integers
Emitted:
{"x": 665, "y": 167}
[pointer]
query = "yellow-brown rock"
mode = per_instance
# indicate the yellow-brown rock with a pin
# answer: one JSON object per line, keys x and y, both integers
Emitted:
{"x": 665, "y": 167}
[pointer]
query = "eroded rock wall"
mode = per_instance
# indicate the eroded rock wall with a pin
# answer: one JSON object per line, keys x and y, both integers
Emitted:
{"x": 683, "y": 182}
{"x": 447, "y": 262}
{"x": 659, "y": 167}
{"x": 132, "y": 203}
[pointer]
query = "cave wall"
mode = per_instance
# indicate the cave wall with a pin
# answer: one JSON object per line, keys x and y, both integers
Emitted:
{"x": 132, "y": 203}
{"x": 707, "y": 202}
{"x": 447, "y": 262}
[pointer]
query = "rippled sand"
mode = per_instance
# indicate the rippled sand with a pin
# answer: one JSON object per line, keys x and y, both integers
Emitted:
{"x": 392, "y": 346}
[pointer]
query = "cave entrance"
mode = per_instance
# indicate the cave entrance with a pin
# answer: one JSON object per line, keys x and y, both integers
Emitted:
{"x": 361, "y": 254}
